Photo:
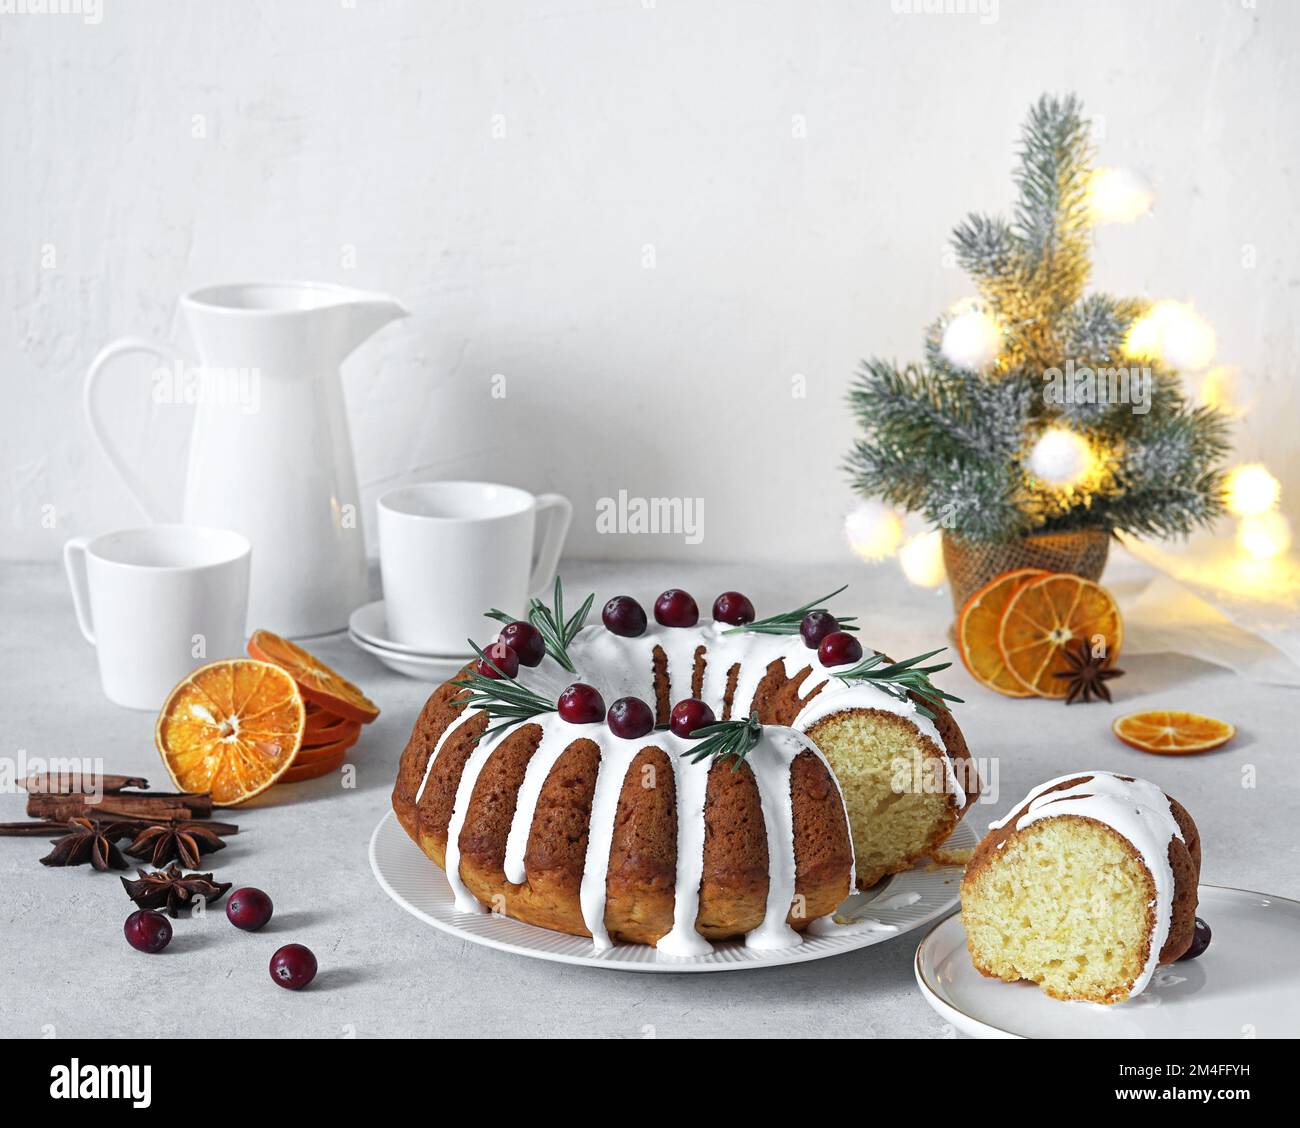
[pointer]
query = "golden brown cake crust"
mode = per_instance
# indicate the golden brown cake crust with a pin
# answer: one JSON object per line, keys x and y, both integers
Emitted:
{"x": 1184, "y": 861}
{"x": 640, "y": 884}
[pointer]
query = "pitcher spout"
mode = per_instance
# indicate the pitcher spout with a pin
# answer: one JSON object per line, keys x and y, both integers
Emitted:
{"x": 284, "y": 327}
{"x": 366, "y": 315}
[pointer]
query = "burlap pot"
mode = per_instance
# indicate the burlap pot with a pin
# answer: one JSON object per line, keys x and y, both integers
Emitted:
{"x": 971, "y": 564}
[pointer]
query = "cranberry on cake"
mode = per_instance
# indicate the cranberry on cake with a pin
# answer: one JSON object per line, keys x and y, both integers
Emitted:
{"x": 774, "y": 766}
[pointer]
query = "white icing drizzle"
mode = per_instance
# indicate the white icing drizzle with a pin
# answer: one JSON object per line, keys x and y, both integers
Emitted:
{"x": 829, "y": 926}
{"x": 623, "y": 667}
{"x": 692, "y": 781}
{"x": 1133, "y": 808}
{"x": 776, "y": 751}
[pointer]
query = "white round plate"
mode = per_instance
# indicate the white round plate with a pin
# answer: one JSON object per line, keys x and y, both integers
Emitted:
{"x": 1246, "y": 984}
{"x": 905, "y": 902}
{"x": 412, "y": 665}
{"x": 369, "y": 623}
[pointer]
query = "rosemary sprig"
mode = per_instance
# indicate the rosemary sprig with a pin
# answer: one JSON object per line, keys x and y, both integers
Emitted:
{"x": 788, "y": 621}
{"x": 503, "y": 699}
{"x": 556, "y": 631}
{"x": 899, "y": 678}
{"x": 726, "y": 740}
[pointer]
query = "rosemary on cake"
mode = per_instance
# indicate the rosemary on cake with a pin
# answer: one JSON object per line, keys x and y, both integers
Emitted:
{"x": 556, "y": 631}
{"x": 790, "y": 622}
{"x": 726, "y": 740}
{"x": 899, "y": 679}
{"x": 502, "y": 698}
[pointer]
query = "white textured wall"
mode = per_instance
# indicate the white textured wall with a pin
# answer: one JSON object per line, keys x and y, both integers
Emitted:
{"x": 778, "y": 249}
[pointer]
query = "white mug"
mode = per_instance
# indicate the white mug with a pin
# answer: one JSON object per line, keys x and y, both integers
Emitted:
{"x": 158, "y": 602}
{"x": 449, "y": 551}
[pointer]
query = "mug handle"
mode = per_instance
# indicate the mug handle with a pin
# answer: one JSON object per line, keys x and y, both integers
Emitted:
{"x": 554, "y": 514}
{"x": 109, "y": 352}
{"x": 74, "y": 562}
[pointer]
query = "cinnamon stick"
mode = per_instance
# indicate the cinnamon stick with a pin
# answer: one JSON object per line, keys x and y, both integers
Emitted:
{"x": 38, "y": 827}
{"x": 156, "y": 806}
{"x": 60, "y": 783}
{"x": 35, "y": 828}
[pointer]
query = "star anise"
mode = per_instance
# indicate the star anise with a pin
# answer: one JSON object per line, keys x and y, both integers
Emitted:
{"x": 172, "y": 841}
{"x": 89, "y": 840}
{"x": 173, "y": 890}
{"x": 1088, "y": 673}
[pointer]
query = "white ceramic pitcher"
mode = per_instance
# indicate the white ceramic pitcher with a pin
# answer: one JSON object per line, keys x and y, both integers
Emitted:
{"x": 270, "y": 451}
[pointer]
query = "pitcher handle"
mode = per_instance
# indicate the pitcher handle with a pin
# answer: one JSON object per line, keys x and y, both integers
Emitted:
{"x": 74, "y": 563}
{"x": 109, "y": 352}
{"x": 554, "y": 514}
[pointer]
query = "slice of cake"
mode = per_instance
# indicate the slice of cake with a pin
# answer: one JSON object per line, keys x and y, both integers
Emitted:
{"x": 1084, "y": 888}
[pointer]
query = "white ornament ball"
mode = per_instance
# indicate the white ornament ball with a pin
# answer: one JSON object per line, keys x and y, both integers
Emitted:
{"x": 1264, "y": 536}
{"x": 921, "y": 559}
{"x": 971, "y": 340}
{"x": 1060, "y": 457}
{"x": 873, "y": 530}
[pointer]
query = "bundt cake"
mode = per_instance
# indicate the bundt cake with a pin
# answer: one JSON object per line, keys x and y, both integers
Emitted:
{"x": 605, "y": 827}
{"x": 1084, "y": 888}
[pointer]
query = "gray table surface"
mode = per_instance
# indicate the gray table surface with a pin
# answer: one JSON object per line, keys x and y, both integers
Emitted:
{"x": 70, "y": 973}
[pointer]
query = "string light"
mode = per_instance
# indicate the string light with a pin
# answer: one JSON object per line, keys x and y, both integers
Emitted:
{"x": 1264, "y": 536}
{"x": 1251, "y": 491}
{"x": 873, "y": 530}
{"x": 921, "y": 559}
{"x": 1116, "y": 195}
{"x": 1222, "y": 389}
{"x": 1174, "y": 333}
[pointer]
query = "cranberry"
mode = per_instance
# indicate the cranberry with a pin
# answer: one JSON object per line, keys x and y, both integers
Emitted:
{"x": 689, "y": 715}
{"x": 1200, "y": 941}
{"x": 733, "y": 608}
{"x": 839, "y": 649}
{"x": 676, "y": 608}
{"x": 249, "y": 909}
{"x": 504, "y": 658}
{"x": 630, "y": 717}
{"x": 147, "y": 931}
{"x": 624, "y": 616}
{"x": 581, "y": 705}
{"x": 816, "y": 626}
{"x": 293, "y": 966}
{"x": 526, "y": 641}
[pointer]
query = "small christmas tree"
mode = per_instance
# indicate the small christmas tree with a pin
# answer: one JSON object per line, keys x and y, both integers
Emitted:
{"x": 1011, "y": 426}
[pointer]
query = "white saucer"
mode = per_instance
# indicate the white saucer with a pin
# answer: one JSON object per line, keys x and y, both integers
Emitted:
{"x": 422, "y": 668}
{"x": 905, "y": 902}
{"x": 369, "y": 623}
{"x": 1245, "y": 985}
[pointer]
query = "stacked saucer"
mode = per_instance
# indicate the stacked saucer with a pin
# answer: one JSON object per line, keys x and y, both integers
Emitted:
{"x": 368, "y": 629}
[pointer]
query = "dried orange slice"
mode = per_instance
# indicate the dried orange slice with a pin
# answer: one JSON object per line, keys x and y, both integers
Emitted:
{"x": 978, "y": 627}
{"x": 323, "y": 727}
{"x": 301, "y": 772}
{"x": 231, "y": 728}
{"x": 348, "y": 730}
{"x": 1047, "y": 614}
{"x": 311, "y": 753}
{"x": 1172, "y": 733}
{"x": 319, "y": 684}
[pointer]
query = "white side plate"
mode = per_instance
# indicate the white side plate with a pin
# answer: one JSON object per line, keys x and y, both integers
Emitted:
{"x": 905, "y": 902}
{"x": 369, "y": 624}
{"x": 1246, "y": 984}
{"x": 412, "y": 665}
